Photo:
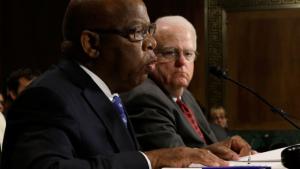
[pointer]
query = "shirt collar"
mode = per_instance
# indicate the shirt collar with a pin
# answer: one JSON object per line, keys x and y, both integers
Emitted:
{"x": 175, "y": 98}
{"x": 100, "y": 83}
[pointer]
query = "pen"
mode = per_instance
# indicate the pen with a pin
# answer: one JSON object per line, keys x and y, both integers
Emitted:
{"x": 249, "y": 158}
{"x": 259, "y": 161}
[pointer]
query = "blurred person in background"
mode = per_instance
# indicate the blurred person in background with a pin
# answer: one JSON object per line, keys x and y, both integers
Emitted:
{"x": 2, "y": 123}
{"x": 18, "y": 80}
{"x": 217, "y": 115}
{"x": 218, "y": 122}
{"x": 2, "y": 119}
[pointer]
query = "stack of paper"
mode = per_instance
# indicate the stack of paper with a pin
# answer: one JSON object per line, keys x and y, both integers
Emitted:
{"x": 269, "y": 158}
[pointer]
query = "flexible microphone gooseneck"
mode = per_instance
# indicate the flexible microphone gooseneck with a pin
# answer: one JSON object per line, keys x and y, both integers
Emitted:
{"x": 221, "y": 74}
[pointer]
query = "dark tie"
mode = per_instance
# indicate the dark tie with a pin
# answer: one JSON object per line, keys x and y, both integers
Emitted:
{"x": 117, "y": 102}
{"x": 190, "y": 116}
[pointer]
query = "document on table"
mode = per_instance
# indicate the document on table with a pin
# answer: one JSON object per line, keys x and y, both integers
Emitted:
{"x": 270, "y": 158}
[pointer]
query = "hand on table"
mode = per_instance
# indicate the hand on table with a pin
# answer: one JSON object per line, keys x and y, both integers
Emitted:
{"x": 183, "y": 157}
{"x": 231, "y": 148}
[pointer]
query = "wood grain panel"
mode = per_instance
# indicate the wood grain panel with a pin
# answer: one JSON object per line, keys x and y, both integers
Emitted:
{"x": 263, "y": 53}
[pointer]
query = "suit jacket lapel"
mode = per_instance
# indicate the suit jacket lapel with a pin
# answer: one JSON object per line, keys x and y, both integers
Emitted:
{"x": 130, "y": 131}
{"x": 110, "y": 117}
{"x": 187, "y": 124}
{"x": 124, "y": 139}
{"x": 202, "y": 121}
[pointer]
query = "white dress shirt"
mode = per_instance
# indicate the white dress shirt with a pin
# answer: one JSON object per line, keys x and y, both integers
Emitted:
{"x": 2, "y": 127}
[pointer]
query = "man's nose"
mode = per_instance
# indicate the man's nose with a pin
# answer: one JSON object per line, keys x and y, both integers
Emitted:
{"x": 149, "y": 43}
{"x": 181, "y": 60}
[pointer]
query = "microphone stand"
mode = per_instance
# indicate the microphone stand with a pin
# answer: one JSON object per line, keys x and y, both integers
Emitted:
{"x": 291, "y": 154}
{"x": 282, "y": 113}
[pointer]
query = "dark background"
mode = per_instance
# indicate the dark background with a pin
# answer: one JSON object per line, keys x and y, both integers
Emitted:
{"x": 31, "y": 31}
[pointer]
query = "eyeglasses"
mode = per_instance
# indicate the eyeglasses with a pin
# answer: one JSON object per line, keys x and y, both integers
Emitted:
{"x": 171, "y": 54}
{"x": 134, "y": 34}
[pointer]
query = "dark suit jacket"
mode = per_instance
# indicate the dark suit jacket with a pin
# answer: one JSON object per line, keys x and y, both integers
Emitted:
{"x": 64, "y": 121}
{"x": 159, "y": 122}
{"x": 220, "y": 132}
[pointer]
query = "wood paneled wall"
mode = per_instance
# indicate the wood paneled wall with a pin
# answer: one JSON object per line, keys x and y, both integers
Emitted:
{"x": 263, "y": 52}
{"x": 257, "y": 41}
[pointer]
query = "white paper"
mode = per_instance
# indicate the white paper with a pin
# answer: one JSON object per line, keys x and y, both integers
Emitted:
{"x": 270, "y": 158}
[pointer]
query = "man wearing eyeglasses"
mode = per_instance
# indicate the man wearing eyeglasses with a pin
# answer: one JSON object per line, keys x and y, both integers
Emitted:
{"x": 71, "y": 116}
{"x": 163, "y": 112}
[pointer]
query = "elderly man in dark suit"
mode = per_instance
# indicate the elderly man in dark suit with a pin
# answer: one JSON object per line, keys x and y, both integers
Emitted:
{"x": 69, "y": 117}
{"x": 163, "y": 112}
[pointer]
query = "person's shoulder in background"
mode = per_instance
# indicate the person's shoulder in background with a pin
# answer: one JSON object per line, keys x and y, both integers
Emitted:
{"x": 220, "y": 132}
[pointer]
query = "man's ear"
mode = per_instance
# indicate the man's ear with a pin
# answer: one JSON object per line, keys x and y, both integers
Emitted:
{"x": 90, "y": 43}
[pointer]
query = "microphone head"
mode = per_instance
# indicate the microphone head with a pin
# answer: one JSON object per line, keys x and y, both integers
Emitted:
{"x": 218, "y": 72}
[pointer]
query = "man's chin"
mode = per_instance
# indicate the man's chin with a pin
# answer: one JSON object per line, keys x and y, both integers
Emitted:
{"x": 142, "y": 79}
{"x": 182, "y": 83}
{"x": 137, "y": 81}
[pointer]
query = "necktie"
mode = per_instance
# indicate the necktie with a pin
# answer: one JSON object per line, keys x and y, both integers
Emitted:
{"x": 190, "y": 116}
{"x": 117, "y": 103}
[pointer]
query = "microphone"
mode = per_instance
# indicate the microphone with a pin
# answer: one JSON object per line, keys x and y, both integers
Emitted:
{"x": 222, "y": 74}
{"x": 218, "y": 72}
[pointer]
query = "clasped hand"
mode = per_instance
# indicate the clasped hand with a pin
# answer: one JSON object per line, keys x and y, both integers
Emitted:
{"x": 231, "y": 149}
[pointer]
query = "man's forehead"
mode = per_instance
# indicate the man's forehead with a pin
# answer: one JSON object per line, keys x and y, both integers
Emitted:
{"x": 218, "y": 112}
{"x": 104, "y": 14}
{"x": 121, "y": 14}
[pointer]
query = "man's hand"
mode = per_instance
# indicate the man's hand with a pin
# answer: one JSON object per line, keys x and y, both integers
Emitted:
{"x": 183, "y": 157}
{"x": 231, "y": 148}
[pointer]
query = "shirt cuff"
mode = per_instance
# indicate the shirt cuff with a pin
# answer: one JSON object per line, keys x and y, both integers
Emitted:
{"x": 147, "y": 159}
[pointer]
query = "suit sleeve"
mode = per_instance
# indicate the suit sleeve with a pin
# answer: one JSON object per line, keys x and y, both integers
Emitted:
{"x": 41, "y": 134}
{"x": 154, "y": 122}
